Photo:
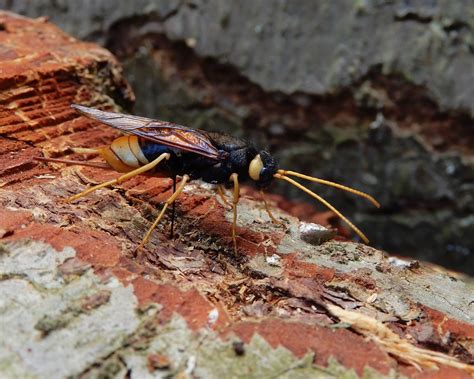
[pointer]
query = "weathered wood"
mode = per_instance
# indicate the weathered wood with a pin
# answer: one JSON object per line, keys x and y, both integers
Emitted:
{"x": 77, "y": 300}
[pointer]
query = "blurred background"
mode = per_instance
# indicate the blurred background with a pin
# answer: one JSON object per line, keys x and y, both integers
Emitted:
{"x": 378, "y": 95}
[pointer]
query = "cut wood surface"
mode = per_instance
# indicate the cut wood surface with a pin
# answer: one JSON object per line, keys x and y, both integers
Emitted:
{"x": 77, "y": 299}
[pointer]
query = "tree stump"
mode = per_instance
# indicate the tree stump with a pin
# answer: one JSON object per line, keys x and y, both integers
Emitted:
{"x": 76, "y": 299}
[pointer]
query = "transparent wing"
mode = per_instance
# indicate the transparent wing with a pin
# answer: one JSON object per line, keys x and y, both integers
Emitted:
{"x": 162, "y": 132}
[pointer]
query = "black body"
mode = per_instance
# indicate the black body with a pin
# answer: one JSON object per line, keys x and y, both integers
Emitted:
{"x": 210, "y": 156}
{"x": 235, "y": 157}
{"x": 175, "y": 150}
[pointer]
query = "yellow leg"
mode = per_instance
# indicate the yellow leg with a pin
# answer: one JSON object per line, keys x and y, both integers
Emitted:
{"x": 234, "y": 178}
{"x": 267, "y": 208}
{"x": 120, "y": 179}
{"x": 220, "y": 191}
{"x": 170, "y": 200}
{"x": 85, "y": 150}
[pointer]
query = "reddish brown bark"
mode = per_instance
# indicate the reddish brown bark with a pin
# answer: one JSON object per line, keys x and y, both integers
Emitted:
{"x": 282, "y": 299}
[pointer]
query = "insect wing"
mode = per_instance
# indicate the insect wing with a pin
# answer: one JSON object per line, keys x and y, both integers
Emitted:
{"x": 179, "y": 137}
{"x": 161, "y": 132}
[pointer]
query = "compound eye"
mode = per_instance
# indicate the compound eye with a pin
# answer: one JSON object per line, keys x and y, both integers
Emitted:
{"x": 256, "y": 166}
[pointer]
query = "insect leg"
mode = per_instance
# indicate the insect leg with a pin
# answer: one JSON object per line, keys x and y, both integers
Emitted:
{"x": 86, "y": 150}
{"x": 121, "y": 178}
{"x": 173, "y": 208}
{"x": 267, "y": 208}
{"x": 170, "y": 200}
{"x": 234, "y": 178}
{"x": 220, "y": 191}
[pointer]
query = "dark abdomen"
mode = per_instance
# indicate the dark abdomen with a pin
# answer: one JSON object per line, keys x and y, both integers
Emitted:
{"x": 180, "y": 163}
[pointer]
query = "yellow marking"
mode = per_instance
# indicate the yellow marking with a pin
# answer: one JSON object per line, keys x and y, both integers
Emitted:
{"x": 255, "y": 167}
{"x": 134, "y": 144}
{"x": 112, "y": 159}
{"x": 122, "y": 149}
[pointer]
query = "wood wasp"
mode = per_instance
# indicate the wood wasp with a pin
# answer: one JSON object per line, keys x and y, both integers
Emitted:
{"x": 162, "y": 148}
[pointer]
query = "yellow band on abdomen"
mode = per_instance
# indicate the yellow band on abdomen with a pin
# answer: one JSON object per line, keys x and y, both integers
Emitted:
{"x": 133, "y": 141}
{"x": 124, "y": 154}
{"x": 122, "y": 150}
{"x": 112, "y": 159}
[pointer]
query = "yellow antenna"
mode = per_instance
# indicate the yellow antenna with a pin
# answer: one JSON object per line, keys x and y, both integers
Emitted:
{"x": 332, "y": 184}
{"x": 320, "y": 199}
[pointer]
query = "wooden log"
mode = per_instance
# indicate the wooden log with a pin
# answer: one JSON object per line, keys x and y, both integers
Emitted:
{"x": 77, "y": 300}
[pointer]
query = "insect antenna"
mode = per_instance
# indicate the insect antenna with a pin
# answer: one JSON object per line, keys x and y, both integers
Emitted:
{"x": 72, "y": 162}
{"x": 320, "y": 199}
{"x": 331, "y": 184}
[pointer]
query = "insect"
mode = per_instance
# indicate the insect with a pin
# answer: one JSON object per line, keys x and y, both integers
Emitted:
{"x": 163, "y": 148}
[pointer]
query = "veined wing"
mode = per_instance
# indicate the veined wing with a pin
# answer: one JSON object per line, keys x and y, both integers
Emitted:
{"x": 162, "y": 132}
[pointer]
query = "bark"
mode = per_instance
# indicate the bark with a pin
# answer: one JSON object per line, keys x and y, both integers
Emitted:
{"x": 77, "y": 299}
{"x": 377, "y": 95}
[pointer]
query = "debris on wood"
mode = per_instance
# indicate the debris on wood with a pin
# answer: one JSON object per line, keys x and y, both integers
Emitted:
{"x": 76, "y": 299}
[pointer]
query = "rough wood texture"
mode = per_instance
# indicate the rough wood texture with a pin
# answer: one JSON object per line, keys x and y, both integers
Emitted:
{"x": 375, "y": 94}
{"x": 76, "y": 299}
